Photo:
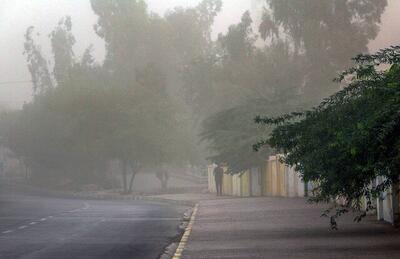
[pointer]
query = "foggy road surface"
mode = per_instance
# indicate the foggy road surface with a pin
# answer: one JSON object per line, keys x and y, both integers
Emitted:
{"x": 37, "y": 227}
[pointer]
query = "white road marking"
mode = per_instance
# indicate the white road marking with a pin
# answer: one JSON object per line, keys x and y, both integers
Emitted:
{"x": 25, "y": 226}
{"x": 186, "y": 234}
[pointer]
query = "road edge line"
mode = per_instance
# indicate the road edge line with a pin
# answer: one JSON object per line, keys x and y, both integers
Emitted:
{"x": 186, "y": 234}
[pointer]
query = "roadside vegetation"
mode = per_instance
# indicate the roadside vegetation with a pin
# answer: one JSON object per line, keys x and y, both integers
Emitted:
{"x": 128, "y": 109}
{"x": 349, "y": 140}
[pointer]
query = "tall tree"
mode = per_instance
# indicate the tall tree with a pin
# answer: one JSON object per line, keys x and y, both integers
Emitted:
{"x": 139, "y": 47}
{"x": 123, "y": 25}
{"x": 144, "y": 130}
{"x": 326, "y": 33}
{"x": 37, "y": 64}
{"x": 247, "y": 80}
{"x": 135, "y": 39}
{"x": 62, "y": 42}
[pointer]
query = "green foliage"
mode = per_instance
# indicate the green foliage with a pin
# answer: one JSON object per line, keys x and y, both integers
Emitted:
{"x": 352, "y": 137}
{"x": 231, "y": 133}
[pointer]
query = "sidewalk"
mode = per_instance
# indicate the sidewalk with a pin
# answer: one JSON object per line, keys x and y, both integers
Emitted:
{"x": 284, "y": 228}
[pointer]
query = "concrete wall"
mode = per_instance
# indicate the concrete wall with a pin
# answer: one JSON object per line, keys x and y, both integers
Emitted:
{"x": 245, "y": 184}
{"x": 273, "y": 179}
{"x": 227, "y": 184}
{"x": 267, "y": 179}
{"x": 279, "y": 180}
{"x": 235, "y": 185}
{"x": 256, "y": 181}
{"x": 385, "y": 207}
{"x": 211, "y": 181}
{"x": 295, "y": 184}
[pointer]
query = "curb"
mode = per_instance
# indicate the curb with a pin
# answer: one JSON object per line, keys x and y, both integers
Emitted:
{"x": 186, "y": 234}
{"x": 170, "y": 201}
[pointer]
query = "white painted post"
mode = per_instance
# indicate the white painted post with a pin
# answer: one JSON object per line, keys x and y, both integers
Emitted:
{"x": 379, "y": 201}
{"x": 395, "y": 203}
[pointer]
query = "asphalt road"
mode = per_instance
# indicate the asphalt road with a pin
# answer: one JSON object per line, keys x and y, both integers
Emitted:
{"x": 40, "y": 227}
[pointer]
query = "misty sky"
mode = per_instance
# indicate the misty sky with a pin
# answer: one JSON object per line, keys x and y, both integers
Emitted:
{"x": 17, "y": 15}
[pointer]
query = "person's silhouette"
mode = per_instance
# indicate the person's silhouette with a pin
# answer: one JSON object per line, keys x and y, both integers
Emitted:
{"x": 218, "y": 174}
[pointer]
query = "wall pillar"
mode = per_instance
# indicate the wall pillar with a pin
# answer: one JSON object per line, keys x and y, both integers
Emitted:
{"x": 395, "y": 203}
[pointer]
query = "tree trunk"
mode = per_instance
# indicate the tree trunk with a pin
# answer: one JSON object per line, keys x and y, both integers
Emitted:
{"x": 124, "y": 182}
{"x": 164, "y": 181}
{"x": 163, "y": 177}
{"x": 134, "y": 169}
{"x": 131, "y": 182}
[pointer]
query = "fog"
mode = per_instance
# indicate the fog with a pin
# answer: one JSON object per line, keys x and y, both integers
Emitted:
{"x": 16, "y": 16}
{"x": 126, "y": 125}
{"x": 111, "y": 97}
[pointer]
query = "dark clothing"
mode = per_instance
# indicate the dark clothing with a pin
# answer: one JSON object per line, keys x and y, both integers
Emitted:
{"x": 218, "y": 174}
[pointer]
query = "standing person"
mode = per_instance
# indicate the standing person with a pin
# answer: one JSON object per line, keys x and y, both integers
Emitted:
{"x": 218, "y": 174}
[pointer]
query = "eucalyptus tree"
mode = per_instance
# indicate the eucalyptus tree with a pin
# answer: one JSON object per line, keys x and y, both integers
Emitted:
{"x": 326, "y": 33}
{"x": 62, "y": 43}
{"x": 37, "y": 63}
{"x": 247, "y": 80}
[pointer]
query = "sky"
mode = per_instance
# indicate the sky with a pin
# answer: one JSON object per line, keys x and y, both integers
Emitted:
{"x": 17, "y": 15}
